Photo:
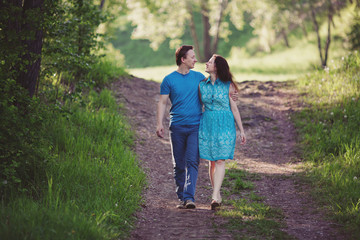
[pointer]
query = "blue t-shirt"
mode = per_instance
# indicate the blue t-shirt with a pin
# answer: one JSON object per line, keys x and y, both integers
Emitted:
{"x": 184, "y": 96}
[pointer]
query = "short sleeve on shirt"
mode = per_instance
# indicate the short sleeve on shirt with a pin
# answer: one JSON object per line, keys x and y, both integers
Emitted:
{"x": 165, "y": 87}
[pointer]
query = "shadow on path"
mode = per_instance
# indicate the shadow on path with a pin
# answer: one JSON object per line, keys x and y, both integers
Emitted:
{"x": 270, "y": 151}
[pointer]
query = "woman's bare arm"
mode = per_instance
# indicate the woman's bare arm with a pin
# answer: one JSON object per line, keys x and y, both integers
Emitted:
{"x": 237, "y": 118}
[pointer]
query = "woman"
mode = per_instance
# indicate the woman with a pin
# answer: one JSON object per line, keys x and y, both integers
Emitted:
{"x": 217, "y": 133}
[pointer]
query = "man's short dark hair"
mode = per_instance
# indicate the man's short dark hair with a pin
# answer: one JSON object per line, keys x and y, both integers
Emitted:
{"x": 181, "y": 52}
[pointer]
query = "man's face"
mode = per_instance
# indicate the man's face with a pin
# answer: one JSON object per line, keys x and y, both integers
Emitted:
{"x": 189, "y": 60}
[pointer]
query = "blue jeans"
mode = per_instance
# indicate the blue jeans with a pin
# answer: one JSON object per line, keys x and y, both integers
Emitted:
{"x": 185, "y": 155}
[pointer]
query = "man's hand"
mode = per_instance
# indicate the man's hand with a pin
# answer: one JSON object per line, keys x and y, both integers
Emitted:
{"x": 234, "y": 95}
{"x": 160, "y": 115}
{"x": 160, "y": 131}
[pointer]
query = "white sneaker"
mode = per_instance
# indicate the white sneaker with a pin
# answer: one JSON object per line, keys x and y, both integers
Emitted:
{"x": 189, "y": 204}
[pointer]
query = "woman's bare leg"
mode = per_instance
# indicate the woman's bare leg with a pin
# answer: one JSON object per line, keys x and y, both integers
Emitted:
{"x": 211, "y": 172}
{"x": 218, "y": 178}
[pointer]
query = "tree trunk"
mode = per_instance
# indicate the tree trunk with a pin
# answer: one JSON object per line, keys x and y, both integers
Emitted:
{"x": 222, "y": 7}
{"x": 16, "y": 24}
{"x": 102, "y": 3}
{"x": 32, "y": 46}
{"x": 81, "y": 28}
{"x": 193, "y": 31}
{"x": 283, "y": 33}
{"x": 316, "y": 26}
{"x": 206, "y": 31}
{"x": 80, "y": 43}
{"x": 328, "y": 41}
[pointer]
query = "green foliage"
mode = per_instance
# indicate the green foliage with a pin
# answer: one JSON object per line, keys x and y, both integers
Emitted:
{"x": 15, "y": 34}
{"x": 67, "y": 57}
{"x": 138, "y": 52}
{"x": 95, "y": 159}
{"x": 28, "y": 219}
{"x": 25, "y": 152}
{"x": 237, "y": 38}
{"x": 354, "y": 35}
{"x": 329, "y": 133}
{"x": 105, "y": 71}
{"x": 66, "y": 166}
{"x": 282, "y": 64}
{"x": 264, "y": 23}
{"x": 71, "y": 42}
{"x": 92, "y": 187}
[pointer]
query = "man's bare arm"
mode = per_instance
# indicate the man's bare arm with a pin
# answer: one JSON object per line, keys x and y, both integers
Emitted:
{"x": 161, "y": 107}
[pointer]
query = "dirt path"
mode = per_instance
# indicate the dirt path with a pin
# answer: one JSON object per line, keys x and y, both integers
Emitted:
{"x": 270, "y": 152}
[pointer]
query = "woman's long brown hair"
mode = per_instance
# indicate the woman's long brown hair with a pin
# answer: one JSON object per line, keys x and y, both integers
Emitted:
{"x": 223, "y": 70}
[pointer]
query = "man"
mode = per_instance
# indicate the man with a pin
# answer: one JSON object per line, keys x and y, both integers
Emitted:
{"x": 181, "y": 86}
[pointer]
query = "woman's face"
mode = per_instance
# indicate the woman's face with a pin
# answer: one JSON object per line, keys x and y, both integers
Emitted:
{"x": 210, "y": 66}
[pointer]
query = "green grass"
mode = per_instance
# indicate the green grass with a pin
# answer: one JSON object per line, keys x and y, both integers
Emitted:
{"x": 282, "y": 62}
{"x": 280, "y": 65}
{"x": 234, "y": 181}
{"x": 330, "y": 136}
{"x": 28, "y": 219}
{"x": 247, "y": 216}
{"x": 93, "y": 186}
{"x": 105, "y": 71}
{"x": 158, "y": 73}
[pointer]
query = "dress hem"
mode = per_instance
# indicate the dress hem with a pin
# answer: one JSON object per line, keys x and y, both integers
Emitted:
{"x": 225, "y": 158}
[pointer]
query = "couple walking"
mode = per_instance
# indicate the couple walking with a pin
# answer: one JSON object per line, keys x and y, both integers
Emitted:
{"x": 211, "y": 134}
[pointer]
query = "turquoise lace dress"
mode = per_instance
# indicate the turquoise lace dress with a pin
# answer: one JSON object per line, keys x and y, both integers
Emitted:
{"x": 217, "y": 132}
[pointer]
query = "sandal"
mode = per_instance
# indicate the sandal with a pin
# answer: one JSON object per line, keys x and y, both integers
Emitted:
{"x": 215, "y": 205}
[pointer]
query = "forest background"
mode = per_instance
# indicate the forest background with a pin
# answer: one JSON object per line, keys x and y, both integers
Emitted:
{"x": 64, "y": 138}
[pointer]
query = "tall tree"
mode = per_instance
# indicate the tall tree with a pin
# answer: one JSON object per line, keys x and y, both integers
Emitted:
{"x": 327, "y": 7}
{"x": 71, "y": 46}
{"x": 317, "y": 11}
{"x": 22, "y": 33}
{"x": 157, "y": 20}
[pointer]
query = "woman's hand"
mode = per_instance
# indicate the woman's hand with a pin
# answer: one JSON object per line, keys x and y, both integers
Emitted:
{"x": 243, "y": 138}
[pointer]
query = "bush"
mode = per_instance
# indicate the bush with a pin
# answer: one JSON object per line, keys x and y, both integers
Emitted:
{"x": 91, "y": 187}
{"x": 104, "y": 72}
{"x": 25, "y": 151}
{"x": 330, "y": 137}
{"x": 354, "y": 35}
